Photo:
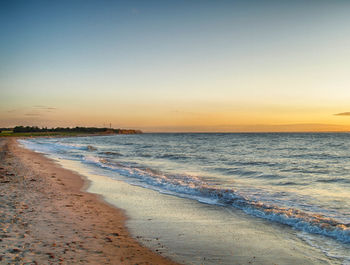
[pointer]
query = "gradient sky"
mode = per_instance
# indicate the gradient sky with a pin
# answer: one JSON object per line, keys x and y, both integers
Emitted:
{"x": 176, "y": 65}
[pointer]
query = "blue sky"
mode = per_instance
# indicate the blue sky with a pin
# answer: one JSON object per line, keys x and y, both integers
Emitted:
{"x": 175, "y": 65}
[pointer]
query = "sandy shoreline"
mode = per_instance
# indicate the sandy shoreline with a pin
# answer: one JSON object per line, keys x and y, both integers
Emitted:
{"x": 46, "y": 217}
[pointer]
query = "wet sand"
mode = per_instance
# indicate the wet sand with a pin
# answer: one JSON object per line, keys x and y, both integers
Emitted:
{"x": 47, "y": 218}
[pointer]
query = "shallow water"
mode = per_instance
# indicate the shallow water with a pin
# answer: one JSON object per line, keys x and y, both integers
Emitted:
{"x": 298, "y": 180}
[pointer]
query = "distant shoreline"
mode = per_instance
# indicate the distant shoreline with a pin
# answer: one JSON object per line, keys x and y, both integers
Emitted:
{"x": 34, "y": 131}
{"x": 80, "y": 134}
{"x": 56, "y": 135}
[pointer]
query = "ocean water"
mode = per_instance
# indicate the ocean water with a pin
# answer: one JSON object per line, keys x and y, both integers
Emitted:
{"x": 300, "y": 181}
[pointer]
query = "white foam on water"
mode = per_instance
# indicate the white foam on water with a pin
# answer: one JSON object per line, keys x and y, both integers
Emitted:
{"x": 194, "y": 187}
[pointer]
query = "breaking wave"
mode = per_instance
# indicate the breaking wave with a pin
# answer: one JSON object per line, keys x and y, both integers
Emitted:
{"x": 195, "y": 188}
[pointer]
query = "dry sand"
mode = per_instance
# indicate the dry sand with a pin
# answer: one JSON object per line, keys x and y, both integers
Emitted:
{"x": 47, "y": 218}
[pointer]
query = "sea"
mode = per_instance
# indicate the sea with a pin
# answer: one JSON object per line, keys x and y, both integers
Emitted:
{"x": 222, "y": 198}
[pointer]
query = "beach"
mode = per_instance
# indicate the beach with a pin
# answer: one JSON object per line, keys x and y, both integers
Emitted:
{"x": 144, "y": 199}
{"x": 47, "y": 218}
{"x": 208, "y": 198}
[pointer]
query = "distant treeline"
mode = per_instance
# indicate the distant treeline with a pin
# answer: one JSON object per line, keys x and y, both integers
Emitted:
{"x": 92, "y": 130}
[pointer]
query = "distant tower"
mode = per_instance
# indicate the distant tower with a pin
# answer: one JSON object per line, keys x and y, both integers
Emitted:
{"x": 110, "y": 125}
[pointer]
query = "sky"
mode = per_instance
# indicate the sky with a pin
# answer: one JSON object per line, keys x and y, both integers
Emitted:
{"x": 176, "y": 66}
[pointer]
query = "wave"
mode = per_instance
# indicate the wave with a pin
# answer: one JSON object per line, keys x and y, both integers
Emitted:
{"x": 194, "y": 187}
{"x": 331, "y": 249}
{"x": 143, "y": 154}
{"x": 289, "y": 183}
{"x": 251, "y": 163}
{"x": 248, "y": 173}
{"x": 237, "y": 172}
{"x": 197, "y": 189}
{"x": 43, "y": 145}
{"x": 172, "y": 156}
{"x": 110, "y": 153}
{"x": 334, "y": 180}
{"x": 91, "y": 148}
{"x": 68, "y": 145}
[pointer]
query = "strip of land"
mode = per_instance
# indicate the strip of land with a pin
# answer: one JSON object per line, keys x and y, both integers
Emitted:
{"x": 34, "y": 131}
{"x": 47, "y": 218}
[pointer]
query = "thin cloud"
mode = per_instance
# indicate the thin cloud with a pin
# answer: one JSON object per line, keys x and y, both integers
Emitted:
{"x": 39, "y": 110}
{"x": 32, "y": 114}
{"x": 44, "y": 107}
{"x": 343, "y": 114}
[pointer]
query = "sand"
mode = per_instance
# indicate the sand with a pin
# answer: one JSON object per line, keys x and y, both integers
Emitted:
{"x": 47, "y": 218}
